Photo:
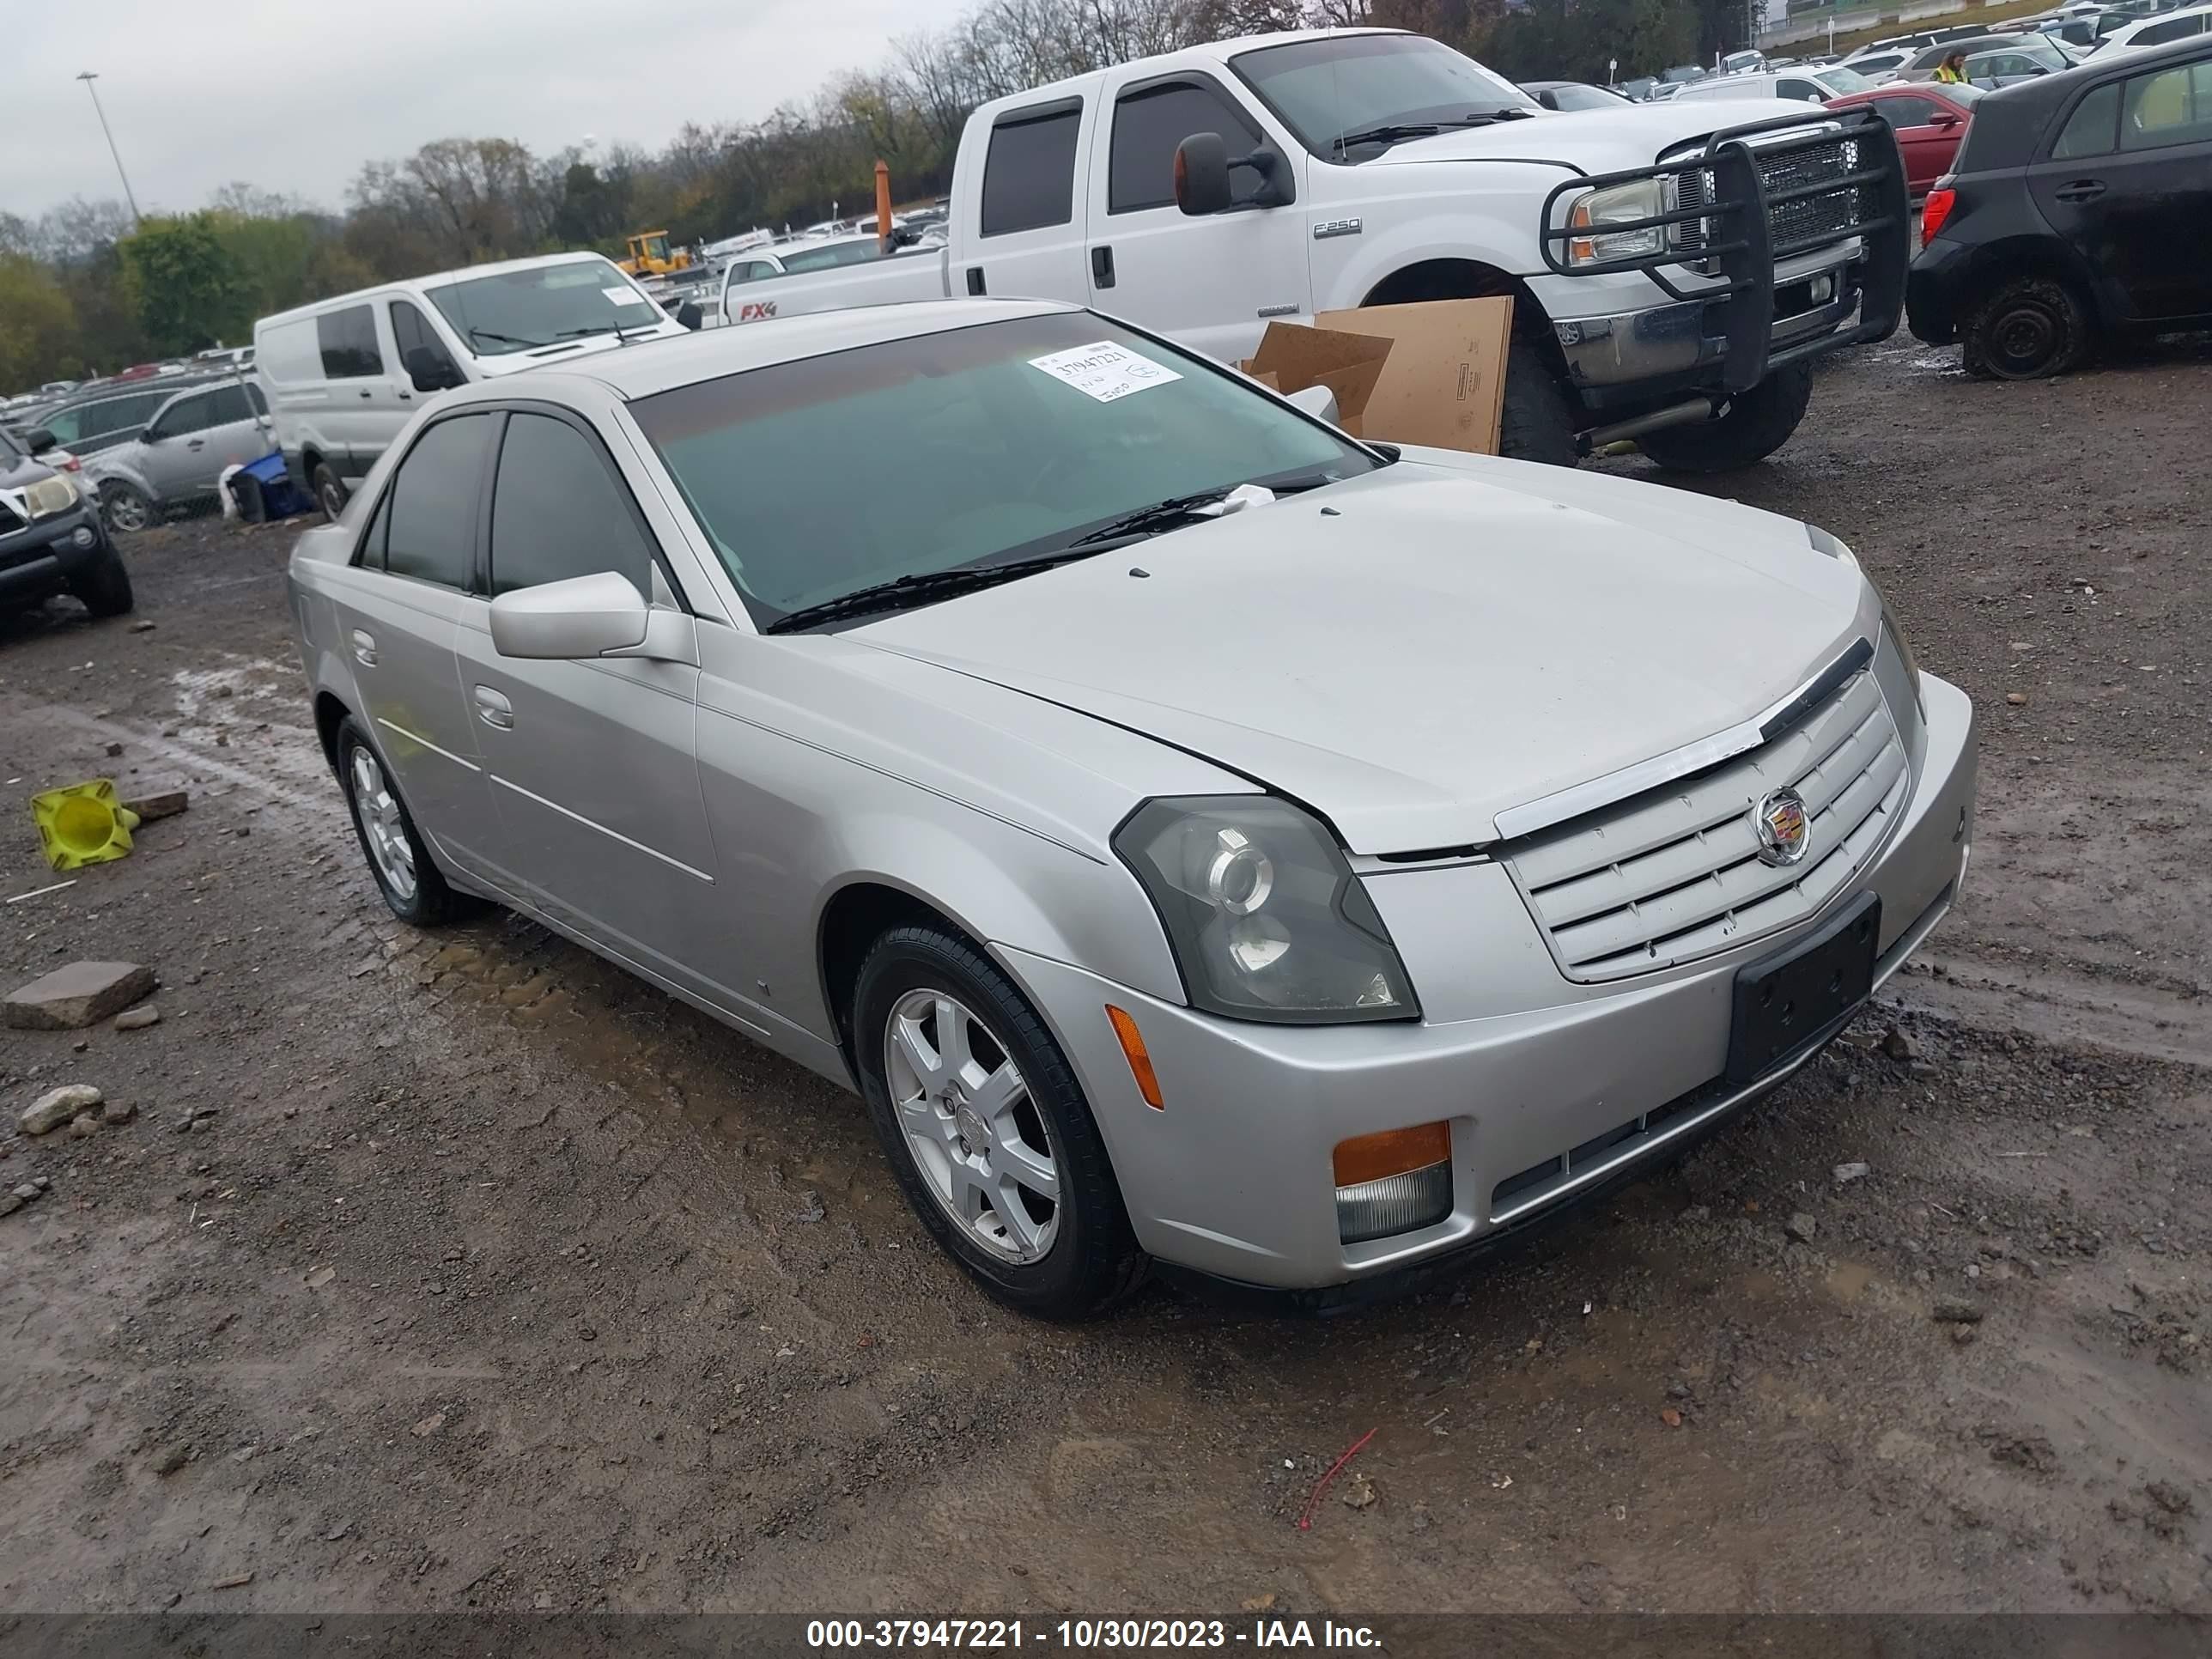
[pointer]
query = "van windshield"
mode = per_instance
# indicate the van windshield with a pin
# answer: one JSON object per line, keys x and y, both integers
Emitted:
{"x": 516, "y": 310}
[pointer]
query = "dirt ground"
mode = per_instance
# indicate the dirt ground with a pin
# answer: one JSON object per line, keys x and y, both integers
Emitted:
{"x": 462, "y": 1272}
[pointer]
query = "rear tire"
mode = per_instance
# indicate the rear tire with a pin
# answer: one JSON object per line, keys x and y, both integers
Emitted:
{"x": 399, "y": 862}
{"x": 1753, "y": 426}
{"x": 2028, "y": 330}
{"x": 1538, "y": 417}
{"x": 331, "y": 493}
{"x": 1067, "y": 1257}
{"x": 105, "y": 590}
{"x": 125, "y": 509}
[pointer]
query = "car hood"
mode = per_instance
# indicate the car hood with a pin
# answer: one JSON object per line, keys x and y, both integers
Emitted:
{"x": 1593, "y": 141}
{"x": 515, "y": 362}
{"x": 16, "y": 474}
{"x": 1455, "y": 637}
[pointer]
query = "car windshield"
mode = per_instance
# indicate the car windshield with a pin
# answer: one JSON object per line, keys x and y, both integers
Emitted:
{"x": 1841, "y": 80}
{"x": 1329, "y": 88}
{"x": 975, "y": 446}
{"x": 1568, "y": 96}
{"x": 542, "y": 306}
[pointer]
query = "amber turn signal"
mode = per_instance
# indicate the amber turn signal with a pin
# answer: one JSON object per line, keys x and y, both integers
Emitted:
{"x": 1394, "y": 1151}
{"x": 1132, "y": 1050}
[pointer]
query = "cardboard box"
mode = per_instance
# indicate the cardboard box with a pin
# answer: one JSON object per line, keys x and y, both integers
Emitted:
{"x": 1443, "y": 380}
{"x": 1292, "y": 357}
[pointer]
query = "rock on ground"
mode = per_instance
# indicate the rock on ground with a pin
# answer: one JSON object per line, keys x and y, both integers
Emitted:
{"x": 79, "y": 994}
{"x": 51, "y": 1110}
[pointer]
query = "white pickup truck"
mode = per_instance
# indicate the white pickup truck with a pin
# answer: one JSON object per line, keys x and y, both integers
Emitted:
{"x": 1674, "y": 267}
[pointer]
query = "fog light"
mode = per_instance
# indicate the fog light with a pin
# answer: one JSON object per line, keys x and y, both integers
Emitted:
{"x": 85, "y": 536}
{"x": 1392, "y": 1182}
{"x": 1824, "y": 289}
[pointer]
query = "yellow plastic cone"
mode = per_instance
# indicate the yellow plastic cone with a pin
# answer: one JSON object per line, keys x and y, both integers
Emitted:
{"x": 83, "y": 825}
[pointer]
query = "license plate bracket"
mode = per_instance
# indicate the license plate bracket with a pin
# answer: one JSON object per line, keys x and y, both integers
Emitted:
{"x": 1787, "y": 1003}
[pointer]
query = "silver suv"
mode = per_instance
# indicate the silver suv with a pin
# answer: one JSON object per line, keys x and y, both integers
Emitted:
{"x": 176, "y": 460}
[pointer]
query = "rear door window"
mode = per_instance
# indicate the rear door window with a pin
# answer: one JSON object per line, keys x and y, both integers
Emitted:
{"x": 558, "y": 511}
{"x": 431, "y": 507}
{"x": 347, "y": 340}
{"x": 2172, "y": 107}
{"x": 1149, "y": 124}
{"x": 1028, "y": 171}
{"x": 2090, "y": 130}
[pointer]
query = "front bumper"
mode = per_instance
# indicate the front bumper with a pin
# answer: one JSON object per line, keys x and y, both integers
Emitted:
{"x": 1578, "y": 1087}
{"x": 51, "y": 555}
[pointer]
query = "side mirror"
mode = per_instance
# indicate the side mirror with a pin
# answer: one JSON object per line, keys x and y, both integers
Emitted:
{"x": 151, "y": 435}
{"x": 1317, "y": 401}
{"x": 429, "y": 372}
{"x": 1945, "y": 119}
{"x": 1201, "y": 175}
{"x": 582, "y": 616}
{"x": 38, "y": 441}
{"x": 689, "y": 315}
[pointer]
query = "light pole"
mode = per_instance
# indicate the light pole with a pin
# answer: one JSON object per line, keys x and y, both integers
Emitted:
{"x": 88, "y": 77}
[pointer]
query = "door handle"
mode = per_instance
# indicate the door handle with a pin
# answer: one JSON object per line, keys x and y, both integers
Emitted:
{"x": 2081, "y": 190}
{"x": 493, "y": 709}
{"x": 364, "y": 648}
{"x": 974, "y": 279}
{"x": 366, "y": 392}
{"x": 1101, "y": 267}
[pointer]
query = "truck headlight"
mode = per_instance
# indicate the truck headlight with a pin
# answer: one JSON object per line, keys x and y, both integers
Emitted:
{"x": 1645, "y": 198}
{"x": 1265, "y": 918}
{"x": 50, "y": 495}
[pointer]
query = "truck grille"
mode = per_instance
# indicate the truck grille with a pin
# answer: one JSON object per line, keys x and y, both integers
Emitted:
{"x": 1673, "y": 875}
{"x": 1794, "y": 226}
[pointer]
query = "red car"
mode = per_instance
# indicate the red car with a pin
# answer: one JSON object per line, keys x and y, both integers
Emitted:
{"x": 1930, "y": 118}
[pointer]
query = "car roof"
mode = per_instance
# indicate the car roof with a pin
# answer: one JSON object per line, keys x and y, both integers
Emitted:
{"x": 651, "y": 367}
{"x": 2121, "y": 36}
{"x": 2009, "y": 122}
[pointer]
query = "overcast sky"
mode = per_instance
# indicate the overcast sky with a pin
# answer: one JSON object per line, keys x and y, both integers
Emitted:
{"x": 295, "y": 97}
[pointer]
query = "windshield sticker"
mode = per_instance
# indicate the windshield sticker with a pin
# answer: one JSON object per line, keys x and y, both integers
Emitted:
{"x": 623, "y": 296}
{"x": 1104, "y": 371}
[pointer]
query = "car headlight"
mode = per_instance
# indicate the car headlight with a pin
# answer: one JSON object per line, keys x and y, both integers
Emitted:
{"x": 1645, "y": 198}
{"x": 50, "y": 495}
{"x": 1266, "y": 920}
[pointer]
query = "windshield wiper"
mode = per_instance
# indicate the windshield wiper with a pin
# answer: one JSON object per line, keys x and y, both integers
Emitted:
{"x": 1151, "y": 521}
{"x": 504, "y": 339}
{"x": 923, "y": 587}
{"x": 1397, "y": 132}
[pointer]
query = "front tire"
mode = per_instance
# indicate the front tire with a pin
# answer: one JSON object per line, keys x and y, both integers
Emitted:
{"x": 105, "y": 590}
{"x": 330, "y": 490}
{"x": 2028, "y": 330}
{"x": 401, "y": 865}
{"x": 1753, "y": 426}
{"x": 1536, "y": 420}
{"x": 987, "y": 1128}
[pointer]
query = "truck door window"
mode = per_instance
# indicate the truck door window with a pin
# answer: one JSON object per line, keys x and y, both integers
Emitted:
{"x": 1029, "y": 171}
{"x": 1148, "y": 125}
{"x": 348, "y": 341}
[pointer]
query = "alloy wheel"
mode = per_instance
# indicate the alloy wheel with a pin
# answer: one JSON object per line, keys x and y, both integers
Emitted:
{"x": 975, "y": 1134}
{"x": 127, "y": 511}
{"x": 383, "y": 825}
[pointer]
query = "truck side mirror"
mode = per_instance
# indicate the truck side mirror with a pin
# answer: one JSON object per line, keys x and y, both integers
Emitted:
{"x": 428, "y": 372}
{"x": 689, "y": 315}
{"x": 1201, "y": 175}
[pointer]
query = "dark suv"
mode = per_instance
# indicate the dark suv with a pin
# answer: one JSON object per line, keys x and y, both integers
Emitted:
{"x": 51, "y": 540}
{"x": 2081, "y": 205}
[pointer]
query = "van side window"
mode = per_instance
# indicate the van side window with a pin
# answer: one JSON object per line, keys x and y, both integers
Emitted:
{"x": 411, "y": 330}
{"x": 433, "y": 500}
{"x": 347, "y": 339}
{"x": 557, "y": 512}
{"x": 1028, "y": 171}
{"x": 1148, "y": 126}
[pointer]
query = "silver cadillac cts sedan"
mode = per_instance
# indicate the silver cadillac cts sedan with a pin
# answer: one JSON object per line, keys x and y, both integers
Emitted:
{"x": 1198, "y": 835}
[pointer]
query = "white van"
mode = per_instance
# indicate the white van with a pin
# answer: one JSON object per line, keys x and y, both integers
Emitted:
{"x": 344, "y": 374}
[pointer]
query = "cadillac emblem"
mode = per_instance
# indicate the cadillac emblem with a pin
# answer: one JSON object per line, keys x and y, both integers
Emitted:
{"x": 1784, "y": 830}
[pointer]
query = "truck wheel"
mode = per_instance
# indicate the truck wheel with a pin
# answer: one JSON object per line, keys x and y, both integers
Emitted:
{"x": 105, "y": 589}
{"x": 1755, "y": 424}
{"x": 2029, "y": 329}
{"x": 330, "y": 491}
{"x": 1537, "y": 422}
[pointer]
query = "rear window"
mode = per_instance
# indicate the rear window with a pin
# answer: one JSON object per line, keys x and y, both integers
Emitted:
{"x": 1029, "y": 171}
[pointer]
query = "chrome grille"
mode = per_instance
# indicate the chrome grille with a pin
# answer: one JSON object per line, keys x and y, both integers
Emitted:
{"x": 1829, "y": 216}
{"x": 1673, "y": 874}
